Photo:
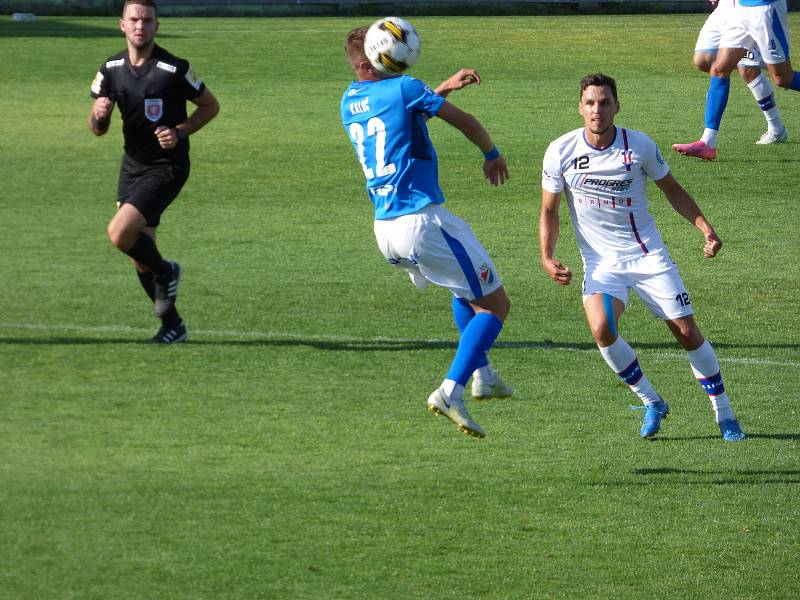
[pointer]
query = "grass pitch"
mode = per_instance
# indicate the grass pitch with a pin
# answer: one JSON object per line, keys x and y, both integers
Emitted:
{"x": 284, "y": 452}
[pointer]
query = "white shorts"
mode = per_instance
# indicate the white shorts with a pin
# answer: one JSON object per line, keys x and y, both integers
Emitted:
{"x": 763, "y": 26}
{"x": 654, "y": 277}
{"x": 433, "y": 245}
{"x": 711, "y": 34}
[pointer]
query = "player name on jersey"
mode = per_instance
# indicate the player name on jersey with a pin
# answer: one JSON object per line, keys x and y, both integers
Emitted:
{"x": 360, "y": 107}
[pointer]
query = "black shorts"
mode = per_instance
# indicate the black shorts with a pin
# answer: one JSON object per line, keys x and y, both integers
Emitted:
{"x": 151, "y": 188}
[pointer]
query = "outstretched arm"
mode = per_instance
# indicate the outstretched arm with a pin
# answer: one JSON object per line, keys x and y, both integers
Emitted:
{"x": 461, "y": 79}
{"x": 494, "y": 165}
{"x": 548, "y": 236}
{"x": 686, "y": 206}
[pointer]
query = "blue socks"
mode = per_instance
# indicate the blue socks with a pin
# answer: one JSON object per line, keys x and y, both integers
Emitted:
{"x": 716, "y": 101}
{"x": 476, "y": 339}
{"x": 795, "y": 85}
{"x": 462, "y": 315}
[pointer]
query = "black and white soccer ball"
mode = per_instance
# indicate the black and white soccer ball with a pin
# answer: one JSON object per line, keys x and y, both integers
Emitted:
{"x": 391, "y": 45}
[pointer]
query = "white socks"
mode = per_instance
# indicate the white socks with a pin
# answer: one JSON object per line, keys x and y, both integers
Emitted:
{"x": 705, "y": 367}
{"x": 452, "y": 389}
{"x": 762, "y": 91}
{"x": 623, "y": 361}
{"x": 484, "y": 374}
{"x": 710, "y": 137}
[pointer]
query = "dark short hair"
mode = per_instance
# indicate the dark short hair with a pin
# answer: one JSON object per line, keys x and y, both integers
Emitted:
{"x": 599, "y": 80}
{"x": 142, "y": 2}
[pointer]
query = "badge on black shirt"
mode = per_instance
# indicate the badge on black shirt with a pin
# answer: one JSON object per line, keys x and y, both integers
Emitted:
{"x": 153, "y": 108}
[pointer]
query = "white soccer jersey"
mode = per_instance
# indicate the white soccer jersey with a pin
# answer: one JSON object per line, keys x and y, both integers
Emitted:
{"x": 606, "y": 191}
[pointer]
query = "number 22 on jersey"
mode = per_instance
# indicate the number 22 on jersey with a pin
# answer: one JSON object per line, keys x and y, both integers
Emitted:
{"x": 377, "y": 128}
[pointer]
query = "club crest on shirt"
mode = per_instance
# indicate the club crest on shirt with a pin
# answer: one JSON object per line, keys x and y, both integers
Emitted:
{"x": 153, "y": 108}
{"x": 486, "y": 273}
{"x": 627, "y": 157}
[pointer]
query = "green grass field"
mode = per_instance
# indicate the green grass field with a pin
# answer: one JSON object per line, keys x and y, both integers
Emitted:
{"x": 285, "y": 450}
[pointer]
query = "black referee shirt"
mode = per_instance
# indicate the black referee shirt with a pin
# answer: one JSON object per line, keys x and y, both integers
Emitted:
{"x": 148, "y": 96}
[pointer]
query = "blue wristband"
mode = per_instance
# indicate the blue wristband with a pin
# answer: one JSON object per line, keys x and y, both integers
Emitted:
{"x": 491, "y": 154}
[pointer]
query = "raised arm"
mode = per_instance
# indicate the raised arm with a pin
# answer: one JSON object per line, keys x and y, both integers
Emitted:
{"x": 461, "y": 79}
{"x": 686, "y": 206}
{"x": 494, "y": 165}
{"x": 548, "y": 236}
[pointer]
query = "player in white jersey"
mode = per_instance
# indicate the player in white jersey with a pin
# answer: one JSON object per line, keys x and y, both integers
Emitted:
{"x": 603, "y": 170}
{"x": 705, "y": 52}
{"x": 750, "y": 23}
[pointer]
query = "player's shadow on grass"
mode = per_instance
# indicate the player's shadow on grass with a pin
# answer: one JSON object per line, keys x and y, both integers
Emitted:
{"x": 367, "y": 345}
{"x": 667, "y": 475}
{"x": 795, "y": 437}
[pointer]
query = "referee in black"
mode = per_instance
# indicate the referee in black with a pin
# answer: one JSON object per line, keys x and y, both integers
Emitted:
{"x": 151, "y": 87}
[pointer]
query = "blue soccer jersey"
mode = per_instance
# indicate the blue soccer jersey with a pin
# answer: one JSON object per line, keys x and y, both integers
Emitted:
{"x": 386, "y": 122}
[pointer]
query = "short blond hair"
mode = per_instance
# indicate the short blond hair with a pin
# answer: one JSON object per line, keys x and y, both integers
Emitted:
{"x": 354, "y": 44}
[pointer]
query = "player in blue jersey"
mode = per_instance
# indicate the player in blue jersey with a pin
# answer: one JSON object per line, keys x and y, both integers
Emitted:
{"x": 759, "y": 23}
{"x": 385, "y": 118}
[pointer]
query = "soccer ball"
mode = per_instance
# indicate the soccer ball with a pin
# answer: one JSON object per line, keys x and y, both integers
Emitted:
{"x": 391, "y": 45}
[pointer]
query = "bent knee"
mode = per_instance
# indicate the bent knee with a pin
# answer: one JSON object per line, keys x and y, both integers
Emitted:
{"x": 784, "y": 81}
{"x": 603, "y": 336}
{"x": 703, "y": 62}
{"x": 688, "y": 337}
{"x": 503, "y": 305}
{"x": 504, "y": 309}
{"x": 121, "y": 237}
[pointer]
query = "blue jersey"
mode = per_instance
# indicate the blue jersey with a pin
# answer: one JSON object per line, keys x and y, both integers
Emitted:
{"x": 386, "y": 122}
{"x": 756, "y": 2}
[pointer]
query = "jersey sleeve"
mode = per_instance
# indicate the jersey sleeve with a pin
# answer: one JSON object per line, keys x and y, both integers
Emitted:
{"x": 419, "y": 97}
{"x": 190, "y": 84}
{"x": 654, "y": 164}
{"x": 552, "y": 175}
{"x": 101, "y": 85}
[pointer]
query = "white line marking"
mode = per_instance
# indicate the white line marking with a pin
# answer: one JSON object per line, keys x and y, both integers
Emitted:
{"x": 278, "y": 335}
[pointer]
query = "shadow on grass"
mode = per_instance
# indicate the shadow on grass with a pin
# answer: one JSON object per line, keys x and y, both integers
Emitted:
{"x": 355, "y": 345}
{"x": 676, "y": 471}
{"x": 52, "y": 27}
{"x": 666, "y": 475}
{"x": 750, "y": 436}
{"x": 675, "y": 476}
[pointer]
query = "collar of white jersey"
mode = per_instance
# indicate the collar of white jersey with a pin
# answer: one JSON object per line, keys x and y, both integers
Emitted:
{"x": 585, "y": 141}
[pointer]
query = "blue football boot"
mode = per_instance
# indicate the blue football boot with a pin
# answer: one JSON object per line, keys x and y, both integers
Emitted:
{"x": 653, "y": 414}
{"x": 731, "y": 431}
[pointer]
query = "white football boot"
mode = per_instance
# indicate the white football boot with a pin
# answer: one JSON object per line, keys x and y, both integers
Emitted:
{"x": 773, "y": 137}
{"x": 494, "y": 388}
{"x": 453, "y": 408}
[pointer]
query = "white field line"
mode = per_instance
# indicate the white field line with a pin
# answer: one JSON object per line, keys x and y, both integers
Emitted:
{"x": 277, "y": 335}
